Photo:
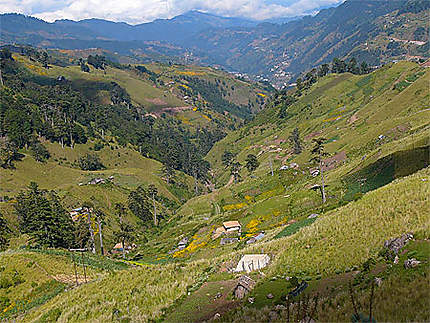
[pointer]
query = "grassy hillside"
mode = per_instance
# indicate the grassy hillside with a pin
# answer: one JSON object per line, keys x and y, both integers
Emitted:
{"x": 262, "y": 202}
{"x": 377, "y": 130}
{"x": 62, "y": 174}
{"x": 166, "y": 90}
{"x": 341, "y": 239}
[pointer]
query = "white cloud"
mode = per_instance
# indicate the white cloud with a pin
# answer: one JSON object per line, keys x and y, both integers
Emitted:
{"x": 135, "y": 11}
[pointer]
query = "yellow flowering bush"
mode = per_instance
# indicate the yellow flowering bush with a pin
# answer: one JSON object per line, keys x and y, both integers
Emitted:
{"x": 236, "y": 206}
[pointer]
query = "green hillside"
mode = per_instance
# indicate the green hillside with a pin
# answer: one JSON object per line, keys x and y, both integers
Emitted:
{"x": 376, "y": 130}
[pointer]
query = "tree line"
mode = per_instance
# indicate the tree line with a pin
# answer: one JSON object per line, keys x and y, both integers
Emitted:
{"x": 42, "y": 216}
{"x": 67, "y": 112}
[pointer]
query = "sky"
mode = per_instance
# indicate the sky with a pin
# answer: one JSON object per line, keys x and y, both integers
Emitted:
{"x": 140, "y": 11}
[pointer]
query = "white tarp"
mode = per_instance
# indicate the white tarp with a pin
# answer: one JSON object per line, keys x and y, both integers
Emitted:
{"x": 249, "y": 263}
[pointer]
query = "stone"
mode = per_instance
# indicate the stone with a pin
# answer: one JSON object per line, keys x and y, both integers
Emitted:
{"x": 411, "y": 263}
{"x": 269, "y": 296}
{"x": 273, "y": 316}
{"x": 225, "y": 241}
{"x": 312, "y": 216}
{"x": 378, "y": 281}
{"x": 396, "y": 244}
{"x": 307, "y": 319}
{"x": 217, "y": 316}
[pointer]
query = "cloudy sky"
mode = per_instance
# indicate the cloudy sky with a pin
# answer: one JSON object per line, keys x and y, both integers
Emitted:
{"x": 139, "y": 11}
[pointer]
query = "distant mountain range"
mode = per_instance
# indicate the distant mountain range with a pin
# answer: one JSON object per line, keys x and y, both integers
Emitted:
{"x": 276, "y": 51}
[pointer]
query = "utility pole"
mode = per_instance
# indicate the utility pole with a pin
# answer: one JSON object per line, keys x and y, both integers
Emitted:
{"x": 271, "y": 166}
{"x": 322, "y": 181}
{"x": 93, "y": 244}
{"x": 83, "y": 264}
{"x": 74, "y": 266}
{"x": 155, "y": 209}
{"x": 100, "y": 236}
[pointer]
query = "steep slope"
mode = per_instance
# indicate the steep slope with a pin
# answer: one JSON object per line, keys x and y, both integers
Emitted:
{"x": 297, "y": 46}
{"x": 351, "y": 113}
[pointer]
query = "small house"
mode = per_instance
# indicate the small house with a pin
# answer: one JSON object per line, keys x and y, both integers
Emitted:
{"x": 183, "y": 243}
{"x": 117, "y": 248}
{"x": 244, "y": 285}
{"x": 96, "y": 181}
{"x": 232, "y": 226}
{"x": 256, "y": 238}
{"x": 250, "y": 263}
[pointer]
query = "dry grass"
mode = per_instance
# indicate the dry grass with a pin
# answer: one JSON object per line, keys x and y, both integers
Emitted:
{"x": 139, "y": 295}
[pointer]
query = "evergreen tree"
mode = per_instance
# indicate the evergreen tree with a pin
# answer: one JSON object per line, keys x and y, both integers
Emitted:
{"x": 39, "y": 151}
{"x": 85, "y": 68}
{"x": 153, "y": 191}
{"x": 90, "y": 162}
{"x": 317, "y": 157}
{"x": 226, "y": 158}
{"x": 235, "y": 170}
{"x": 338, "y": 66}
{"x": 364, "y": 68}
{"x": 8, "y": 153}
{"x": 323, "y": 70}
{"x": 42, "y": 216}
{"x": 139, "y": 204}
{"x": 124, "y": 233}
{"x": 251, "y": 163}
{"x": 4, "y": 233}
{"x": 168, "y": 173}
{"x": 353, "y": 67}
{"x": 295, "y": 140}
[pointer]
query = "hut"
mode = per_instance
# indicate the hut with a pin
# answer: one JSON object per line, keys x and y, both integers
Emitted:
{"x": 244, "y": 285}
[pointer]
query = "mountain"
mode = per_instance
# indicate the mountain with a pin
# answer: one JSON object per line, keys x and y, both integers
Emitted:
{"x": 374, "y": 31}
{"x": 299, "y": 45}
{"x": 173, "y": 30}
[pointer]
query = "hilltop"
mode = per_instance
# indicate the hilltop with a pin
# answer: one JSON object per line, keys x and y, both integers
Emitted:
{"x": 373, "y": 31}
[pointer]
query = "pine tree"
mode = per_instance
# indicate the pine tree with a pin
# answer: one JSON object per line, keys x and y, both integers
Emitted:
{"x": 42, "y": 216}
{"x": 318, "y": 155}
{"x": 251, "y": 163}
{"x": 4, "y": 233}
{"x": 235, "y": 170}
{"x": 152, "y": 190}
{"x": 295, "y": 139}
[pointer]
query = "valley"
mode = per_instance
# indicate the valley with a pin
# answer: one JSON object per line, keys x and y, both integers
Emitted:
{"x": 140, "y": 186}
